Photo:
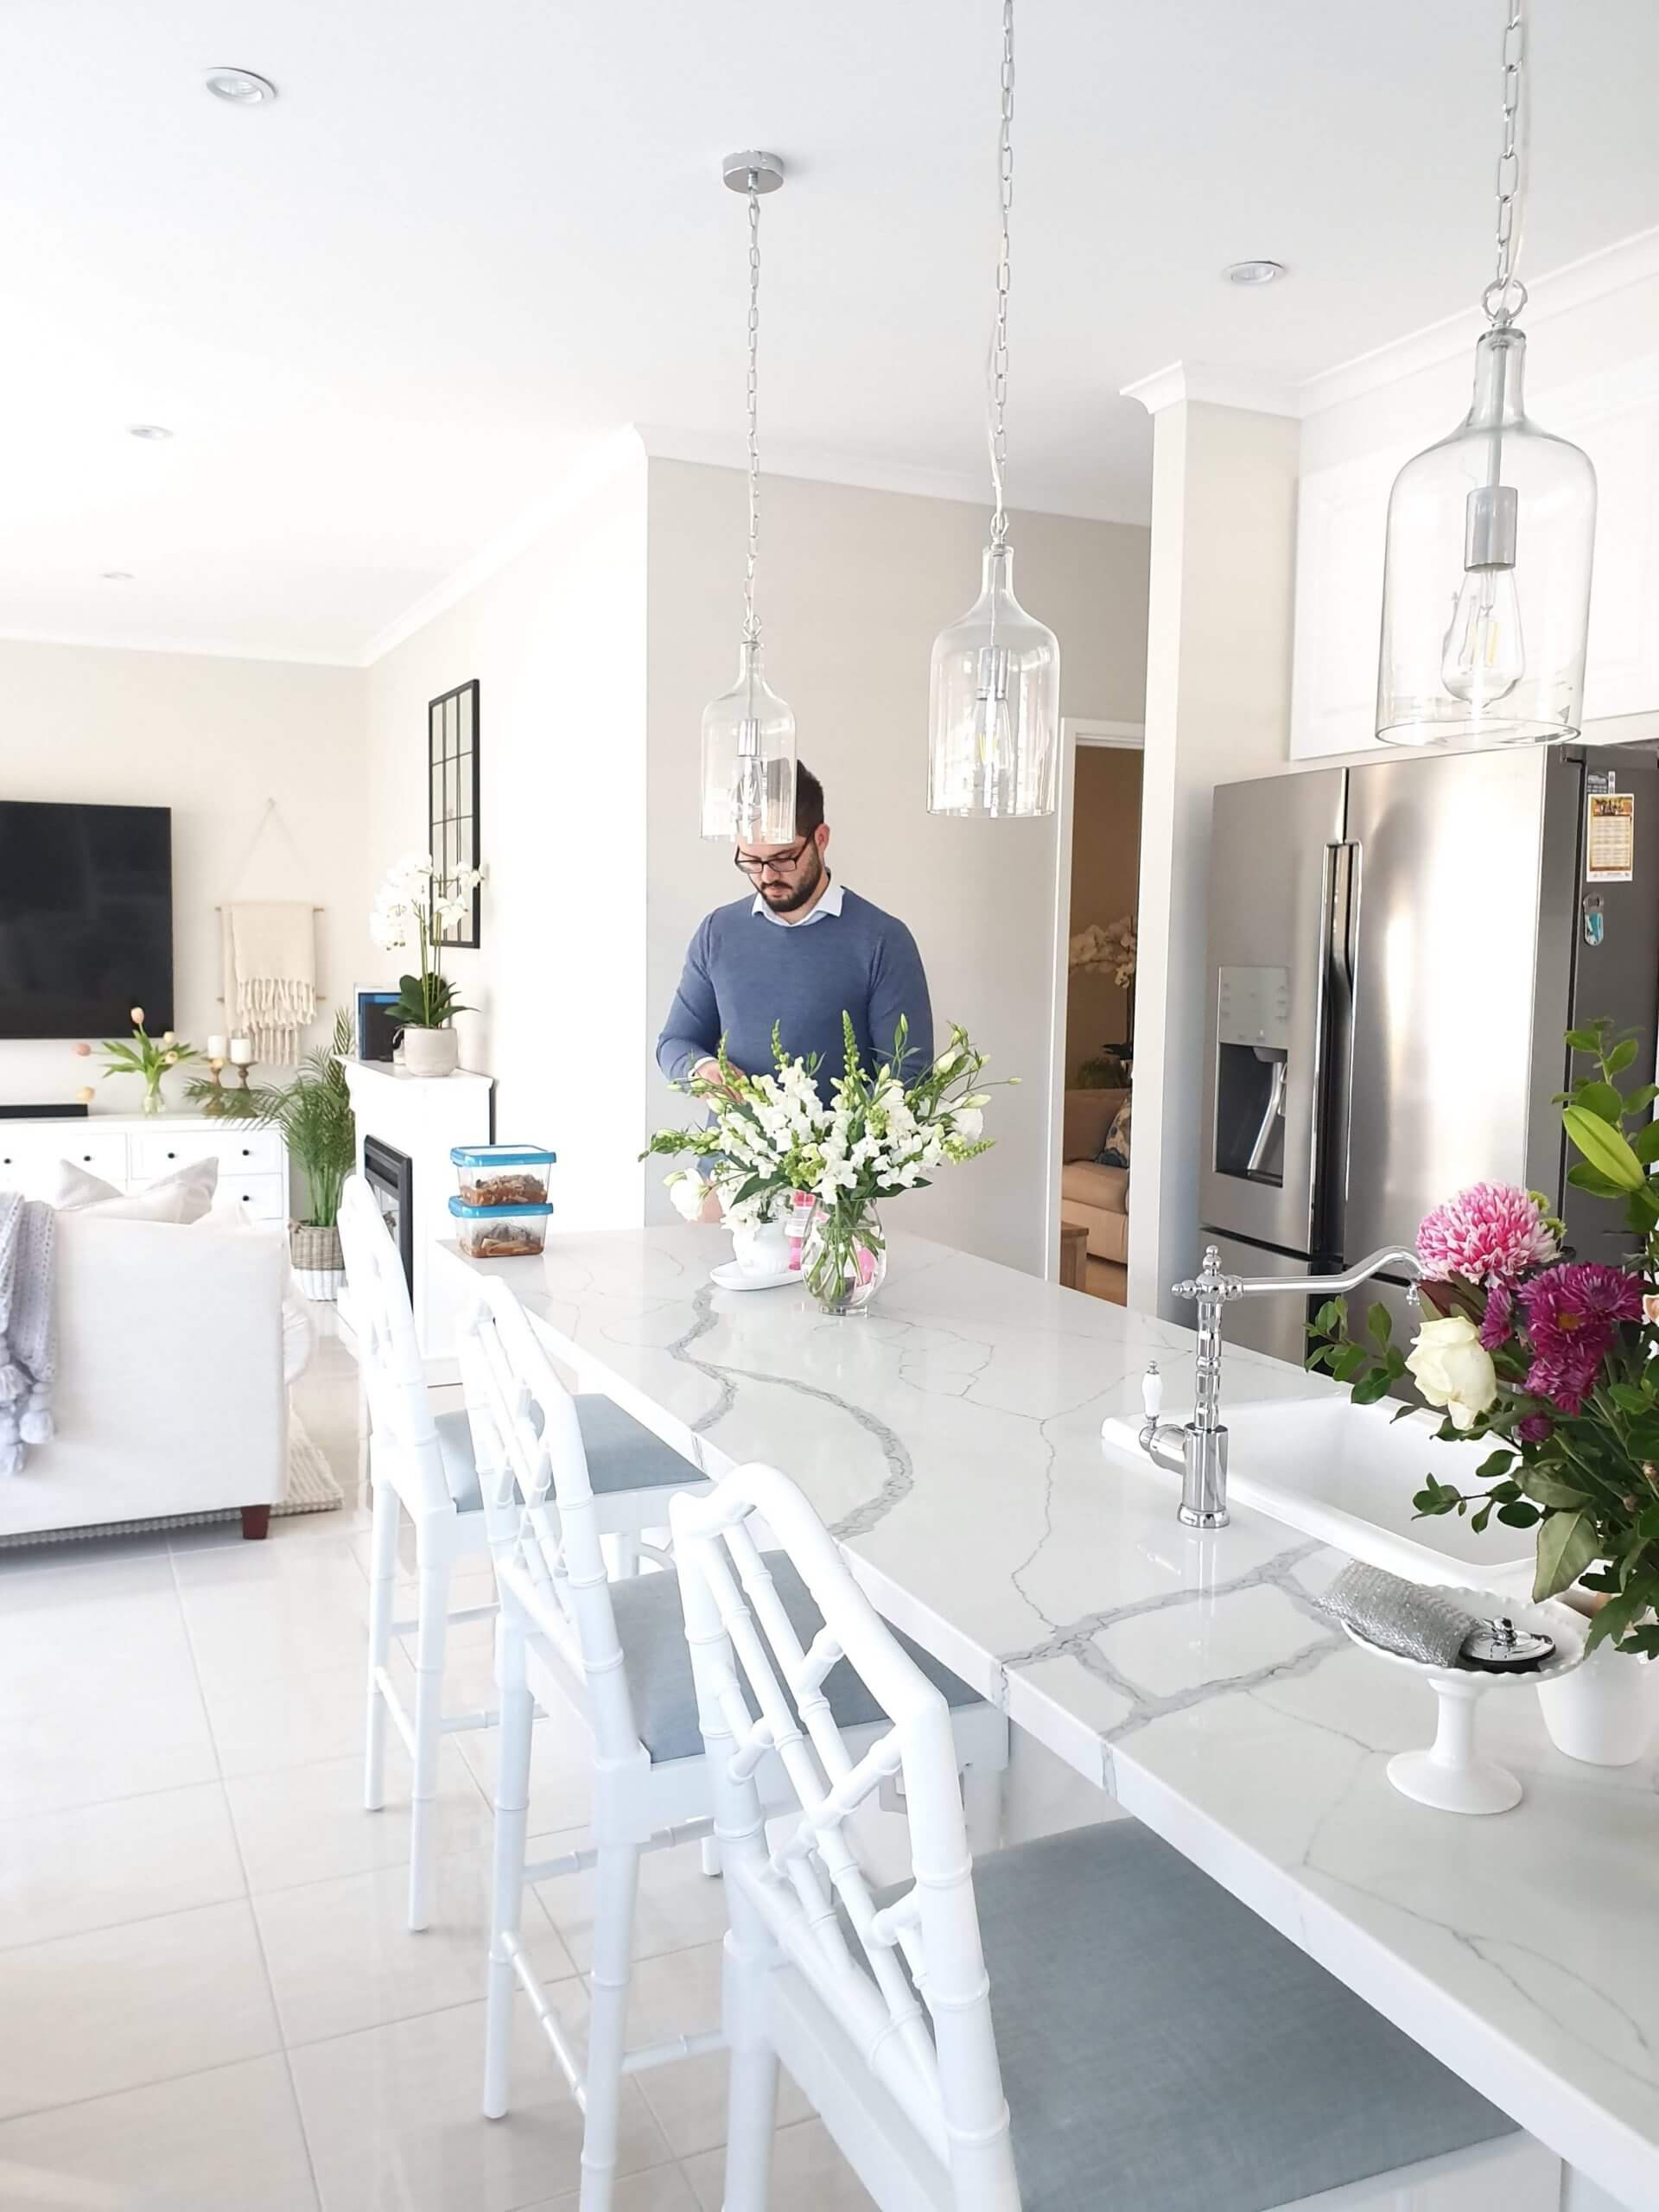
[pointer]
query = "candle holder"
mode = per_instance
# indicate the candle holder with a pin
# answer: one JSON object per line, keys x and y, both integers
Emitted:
{"x": 216, "y": 1105}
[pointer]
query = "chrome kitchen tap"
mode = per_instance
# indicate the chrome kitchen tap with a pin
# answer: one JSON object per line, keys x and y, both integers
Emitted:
{"x": 1198, "y": 1450}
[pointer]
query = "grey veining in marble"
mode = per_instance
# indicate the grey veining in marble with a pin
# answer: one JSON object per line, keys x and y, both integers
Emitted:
{"x": 950, "y": 1437}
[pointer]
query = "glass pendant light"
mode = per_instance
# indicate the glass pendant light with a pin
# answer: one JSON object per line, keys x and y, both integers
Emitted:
{"x": 994, "y": 718}
{"x": 1486, "y": 578}
{"x": 749, "y": 733}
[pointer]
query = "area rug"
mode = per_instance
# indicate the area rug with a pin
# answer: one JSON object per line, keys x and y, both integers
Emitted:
{"x": 311, "y": 1489}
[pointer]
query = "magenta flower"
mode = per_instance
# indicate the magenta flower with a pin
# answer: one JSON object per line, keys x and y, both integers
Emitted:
{"x": 1495, "y": 1321}
{"x": 1533, "y": 1429}
{"x": 1491, "y": 1233}
{"x": 1573, "y": 1314}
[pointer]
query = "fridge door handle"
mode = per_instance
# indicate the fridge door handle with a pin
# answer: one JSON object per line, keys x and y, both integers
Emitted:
{"x": 1334, "y": 1074}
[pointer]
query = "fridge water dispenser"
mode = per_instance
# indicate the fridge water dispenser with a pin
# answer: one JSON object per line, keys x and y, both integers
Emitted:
{"x": 1252, "y": 1059}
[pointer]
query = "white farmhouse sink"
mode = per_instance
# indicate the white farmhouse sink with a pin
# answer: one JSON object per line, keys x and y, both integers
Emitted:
{"x": 1347, "y": 1474}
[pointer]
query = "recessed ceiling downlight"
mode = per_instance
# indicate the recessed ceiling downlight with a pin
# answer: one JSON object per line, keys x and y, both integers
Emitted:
{"x": 152, "y": 434}
{"x": 118, "y": 575}
{"x": 240, "y": 87}
{"x": 1255, "y": 272}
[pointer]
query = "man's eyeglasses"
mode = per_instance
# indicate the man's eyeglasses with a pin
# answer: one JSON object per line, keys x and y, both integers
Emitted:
{"x": 778, "y": 864}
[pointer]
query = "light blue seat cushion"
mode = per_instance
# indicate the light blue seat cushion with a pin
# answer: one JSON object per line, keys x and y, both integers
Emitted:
{"x": 651, "y": 1629}
{"x": 622, "y": 1454}
{"x": 1164, "y": 2050}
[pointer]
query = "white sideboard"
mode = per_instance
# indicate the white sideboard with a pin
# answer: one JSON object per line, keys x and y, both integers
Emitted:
{"x": 131, "y": 1150}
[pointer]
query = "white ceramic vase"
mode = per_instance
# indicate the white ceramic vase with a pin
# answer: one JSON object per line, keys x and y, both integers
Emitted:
{"x": 430, "y": 1052}
{"x": 761, "y": 1249}
{"x": 1607, "y": 1712}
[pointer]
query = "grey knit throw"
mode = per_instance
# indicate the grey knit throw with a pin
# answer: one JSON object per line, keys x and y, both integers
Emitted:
{"x": 28, "y": 1341}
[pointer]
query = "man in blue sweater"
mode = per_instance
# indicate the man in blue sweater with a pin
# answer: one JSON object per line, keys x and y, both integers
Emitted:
{"x": 798, "y": 952}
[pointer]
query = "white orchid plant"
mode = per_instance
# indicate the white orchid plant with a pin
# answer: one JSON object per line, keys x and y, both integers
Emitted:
{"x": 773, "y": 1137}
{"x": 413, "y": 907}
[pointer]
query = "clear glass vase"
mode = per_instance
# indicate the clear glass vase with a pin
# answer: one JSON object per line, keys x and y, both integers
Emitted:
{"x": 154, "y": 1102}
{"x": 844, "y": 1259}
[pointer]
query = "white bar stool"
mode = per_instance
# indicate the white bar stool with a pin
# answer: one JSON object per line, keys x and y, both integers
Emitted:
{"x": 1084, "y": 2020}
{"x": 615, "y": 1653}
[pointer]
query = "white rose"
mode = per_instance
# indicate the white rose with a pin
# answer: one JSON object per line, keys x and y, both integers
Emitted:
{"x": 687, "y": 1193}
{"x": 1451, "y": 1368}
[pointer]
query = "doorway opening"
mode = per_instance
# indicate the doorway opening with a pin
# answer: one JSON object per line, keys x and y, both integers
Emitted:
{"x": 1093, "y": 1041}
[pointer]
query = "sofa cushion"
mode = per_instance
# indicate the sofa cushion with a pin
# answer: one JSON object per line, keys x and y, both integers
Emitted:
{"x": 1088, "y": 1115}
{"x": 1087, "y": 1184}
{"x": 1107, "y": 1233}
{"x": 183, "y": 1194}
{"x": 1115, "y": 1153}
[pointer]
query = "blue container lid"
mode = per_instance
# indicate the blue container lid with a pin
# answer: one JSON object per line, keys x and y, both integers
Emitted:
{"x": 463, "y": 1211}
{"x": 502, "y": 1155}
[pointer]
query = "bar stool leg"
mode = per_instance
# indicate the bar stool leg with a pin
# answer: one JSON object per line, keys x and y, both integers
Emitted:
{"x": 615, "y": 1886}
{"x": 512, "y": 1824}
{"x": 432, "y": 1624}
{"x": 383, "y": 1570}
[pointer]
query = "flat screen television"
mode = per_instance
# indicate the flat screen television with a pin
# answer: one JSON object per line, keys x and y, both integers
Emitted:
{"x": 86, "y": 918}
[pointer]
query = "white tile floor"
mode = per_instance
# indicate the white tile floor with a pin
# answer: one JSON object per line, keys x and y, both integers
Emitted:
{"x": 208, "y": 2000}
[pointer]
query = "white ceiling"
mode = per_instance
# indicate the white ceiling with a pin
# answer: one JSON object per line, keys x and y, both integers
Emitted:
{"x": 382, "y": 315}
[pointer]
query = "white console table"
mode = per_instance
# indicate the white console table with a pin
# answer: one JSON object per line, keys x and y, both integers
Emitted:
{"x": 132, "y": 1149}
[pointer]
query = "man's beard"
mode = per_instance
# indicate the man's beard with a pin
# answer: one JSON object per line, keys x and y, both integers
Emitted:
{"x": 795, "y": 898}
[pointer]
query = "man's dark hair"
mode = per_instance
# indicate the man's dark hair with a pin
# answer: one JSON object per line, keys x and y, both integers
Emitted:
{"x": 809, "y": 801}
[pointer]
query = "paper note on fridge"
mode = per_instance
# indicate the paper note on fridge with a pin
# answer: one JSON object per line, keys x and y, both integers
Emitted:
{"x": 1610, "y": 844}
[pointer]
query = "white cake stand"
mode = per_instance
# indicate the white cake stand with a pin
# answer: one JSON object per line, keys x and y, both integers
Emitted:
{"x": 1449, "y": 1775}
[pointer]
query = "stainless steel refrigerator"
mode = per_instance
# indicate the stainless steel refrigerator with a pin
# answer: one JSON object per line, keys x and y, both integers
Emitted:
{"x": 1395, "y": 951}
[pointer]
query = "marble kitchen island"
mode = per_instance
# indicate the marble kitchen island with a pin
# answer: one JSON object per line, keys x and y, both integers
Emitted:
{"x": 950, "y": 1438}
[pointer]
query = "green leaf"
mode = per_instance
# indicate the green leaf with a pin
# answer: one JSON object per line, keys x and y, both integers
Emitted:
{"x": 1494, "y": 1464}
{"x": 1351, "y": 1360}
{"x": 1549, "y": 1489}
{"x": 1604, "y": 1148}
{"x": 1603, "y": 1099}
{"x": 1630, "y": 1398}
{"x": 1566, "y": 1545}
{"x": 1621, "y": 1056}
{"x": 1637, "y": 1101}
{"x": 1519, "y": 1517}
{"x": 1369, "y": 1387}
{"x": 1583, "y": 1177}
{"x": 1331, "y": 1316}
{"x": 1478, "y": 1522}
{"x": 1618, "y": 1615}
{"x": 1379, "y": 1324}
{"x": 1645, "y": 1143}
{"x": 1584, "y": 1040}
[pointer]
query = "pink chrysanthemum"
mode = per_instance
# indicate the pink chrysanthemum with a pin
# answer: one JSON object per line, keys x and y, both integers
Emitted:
{"x": 1573, "y": 1314}
{"x": 1495, "y": 1321}
{"x": 1491, "y": 1233}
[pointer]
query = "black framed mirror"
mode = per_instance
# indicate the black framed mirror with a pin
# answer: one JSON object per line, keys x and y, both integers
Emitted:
{"x": 452, "y": 747}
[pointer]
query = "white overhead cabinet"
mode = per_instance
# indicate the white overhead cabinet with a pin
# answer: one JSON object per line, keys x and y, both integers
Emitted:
{"x": 1342, "y": 513}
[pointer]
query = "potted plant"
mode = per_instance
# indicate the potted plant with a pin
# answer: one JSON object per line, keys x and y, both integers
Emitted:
{"x": 1552, "y": 1359}
{"x": 313, "y": 1113}
{"x": 416, "y": 905}
{"x": 143, "y": 1055}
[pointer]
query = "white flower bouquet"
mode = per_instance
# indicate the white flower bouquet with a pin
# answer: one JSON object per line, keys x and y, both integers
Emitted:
{"x": 414, "y": 907}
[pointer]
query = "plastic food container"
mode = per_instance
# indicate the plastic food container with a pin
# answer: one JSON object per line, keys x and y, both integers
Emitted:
{"x": 500, "y": 1232}
{"x": 503, "y": 1174}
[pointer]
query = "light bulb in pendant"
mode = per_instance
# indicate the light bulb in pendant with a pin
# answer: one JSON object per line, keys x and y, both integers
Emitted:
{"x": 994, "y": 705}
{"x": 1485, "y": 657}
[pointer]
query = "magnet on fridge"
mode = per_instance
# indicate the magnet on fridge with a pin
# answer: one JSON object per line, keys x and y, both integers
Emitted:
{"x": 1595, "y": 921}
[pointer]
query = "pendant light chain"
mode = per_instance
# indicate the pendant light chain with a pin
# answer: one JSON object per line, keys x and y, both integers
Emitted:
{"x": 999, "y": 362}
{"x": 1497, "y": 301}
{"x": 750, "y": 620}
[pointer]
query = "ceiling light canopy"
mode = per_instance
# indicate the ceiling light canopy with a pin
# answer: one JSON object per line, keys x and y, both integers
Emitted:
{"x": 994, "y": 710}
{"x": 154, "y": 434}
{"x": 1253, "y": 274}
{"x": 1486, "y": 571}
{"x": 748, "y": 733}
{"x": 240, "y": 87}
{"x": 117, "y": 577}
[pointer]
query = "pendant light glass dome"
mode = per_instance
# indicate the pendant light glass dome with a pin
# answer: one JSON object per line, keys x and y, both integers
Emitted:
{"x": 1486, "y": 579}
{"x": 1486, "y": 571}
{"x": 748, "y": 733}
{"x": 995, "y": 711}
{"x": 994, "y": 714}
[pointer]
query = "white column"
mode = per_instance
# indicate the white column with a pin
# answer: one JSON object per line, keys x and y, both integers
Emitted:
{"x": 1218, "y": 657}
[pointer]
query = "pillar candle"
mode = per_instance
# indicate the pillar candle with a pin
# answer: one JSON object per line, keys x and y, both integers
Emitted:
{"x": 241, "y": 1053}
{"x": 215, "y": 1048}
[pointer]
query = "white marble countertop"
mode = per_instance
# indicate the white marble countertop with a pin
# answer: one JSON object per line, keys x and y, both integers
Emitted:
{"x": 950, "y": 1438}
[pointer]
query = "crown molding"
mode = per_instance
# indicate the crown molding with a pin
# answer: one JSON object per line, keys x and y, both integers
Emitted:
{"x": 185, "y": 648}
{"x": 1251, "y": 389}
{"x": 610, "y": 458}
{"x": 1577, "y": 285}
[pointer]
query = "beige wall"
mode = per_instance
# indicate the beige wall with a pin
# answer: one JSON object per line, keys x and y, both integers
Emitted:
{"x": 853, "y": 586}
{"x": 557, "y": 638}
{"x": 213, "y": 739}
{"x": 1105, "y": 867}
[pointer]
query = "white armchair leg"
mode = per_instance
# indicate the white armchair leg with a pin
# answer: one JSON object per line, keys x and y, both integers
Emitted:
{"x": 752, "y": 2095}
{"x": 983, "y": 1788}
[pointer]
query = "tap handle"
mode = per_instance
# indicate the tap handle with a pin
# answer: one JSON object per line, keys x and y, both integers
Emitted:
{"x": 1151, "y": 1391}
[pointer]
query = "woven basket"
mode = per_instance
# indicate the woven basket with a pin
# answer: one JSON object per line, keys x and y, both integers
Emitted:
{"x": 318, "y": 1261}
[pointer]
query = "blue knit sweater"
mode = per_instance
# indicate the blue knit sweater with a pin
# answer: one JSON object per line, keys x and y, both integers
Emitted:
{"x": 743, "y": 973}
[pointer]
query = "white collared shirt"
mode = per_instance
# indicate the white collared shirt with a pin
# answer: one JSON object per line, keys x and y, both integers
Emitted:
{"x": 830, "y": 904}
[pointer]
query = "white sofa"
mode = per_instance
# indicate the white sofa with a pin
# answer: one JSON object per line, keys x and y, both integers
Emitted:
{"x": 170, "y": 1396}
